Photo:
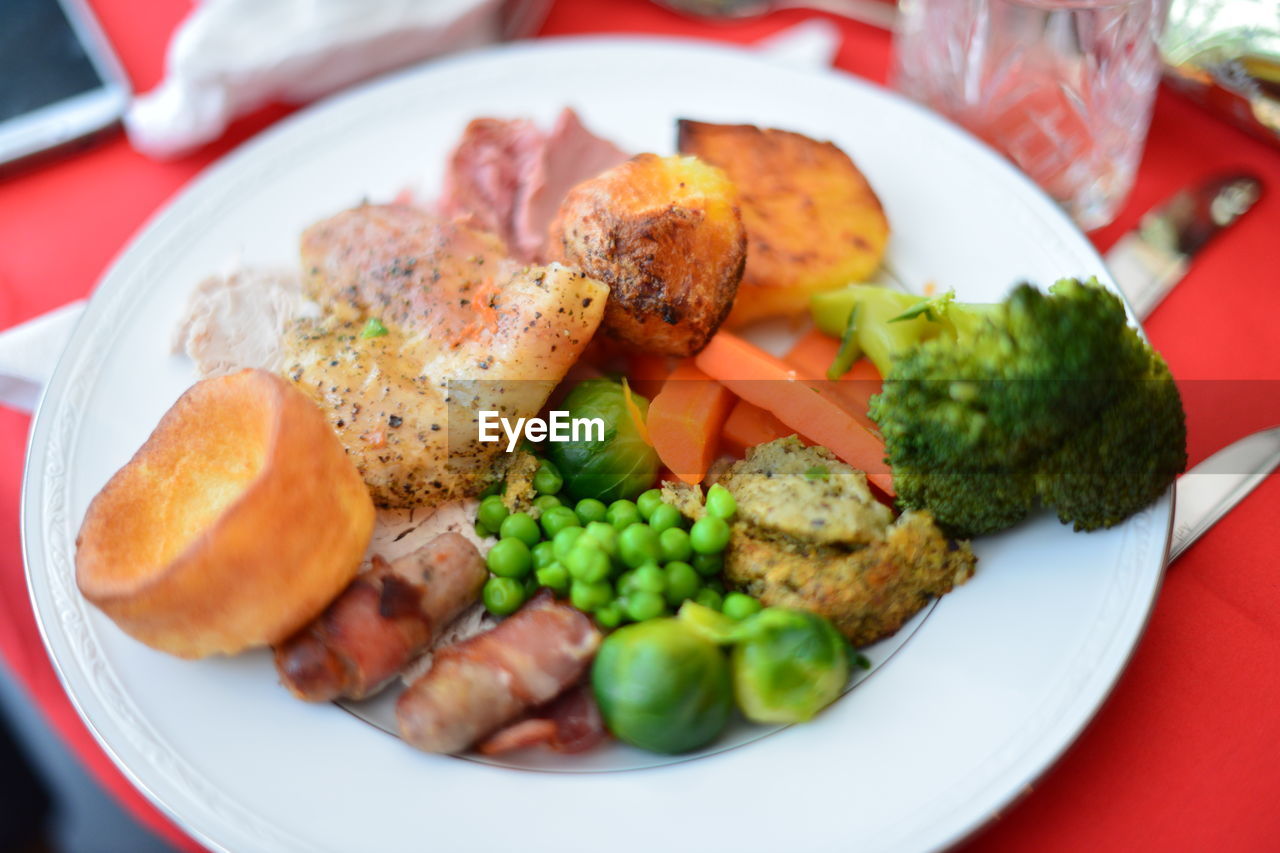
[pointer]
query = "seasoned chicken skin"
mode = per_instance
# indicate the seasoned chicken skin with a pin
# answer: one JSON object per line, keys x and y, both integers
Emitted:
{"x": 425, "y": 323}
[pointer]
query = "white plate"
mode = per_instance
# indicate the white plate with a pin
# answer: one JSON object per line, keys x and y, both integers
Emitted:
{"x": 991, "y": 688}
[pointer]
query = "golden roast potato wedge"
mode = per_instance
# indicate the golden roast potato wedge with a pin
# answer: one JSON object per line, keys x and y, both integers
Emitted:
{"x": 813, "y": 222}
{"x": 665, "y": 235}
{"x": 233, "y": 526}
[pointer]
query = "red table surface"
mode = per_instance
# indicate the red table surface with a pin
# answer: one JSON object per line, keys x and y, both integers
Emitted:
{"x": 1185, "y": 754}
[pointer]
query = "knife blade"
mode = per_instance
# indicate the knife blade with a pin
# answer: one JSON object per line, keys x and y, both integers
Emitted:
{"x": 1205, "y": 493}
{"x": 1147, "y": 262}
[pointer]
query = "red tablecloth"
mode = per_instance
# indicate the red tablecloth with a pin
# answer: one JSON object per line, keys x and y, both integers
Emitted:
{"x": 1185, "y": 755}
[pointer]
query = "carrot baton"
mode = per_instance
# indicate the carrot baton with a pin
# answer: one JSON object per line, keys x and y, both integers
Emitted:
{"x": 813, "y": 412}
{"x": 685, "y": 421}
{"x": 749, "y": 425}
{"x": 813, "y": 354}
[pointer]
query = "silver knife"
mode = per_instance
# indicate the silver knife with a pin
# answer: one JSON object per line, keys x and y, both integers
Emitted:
{"x": 1147, "y": 262}
{"x": 1206, "y": 492}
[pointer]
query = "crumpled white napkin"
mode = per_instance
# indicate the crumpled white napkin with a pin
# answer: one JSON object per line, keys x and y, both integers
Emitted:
{"x": 29, "y": 352}
{"x": 230, "y": 57}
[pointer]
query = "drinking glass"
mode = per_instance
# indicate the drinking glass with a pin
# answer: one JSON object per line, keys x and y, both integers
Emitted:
{"x": 1063, "y": 87}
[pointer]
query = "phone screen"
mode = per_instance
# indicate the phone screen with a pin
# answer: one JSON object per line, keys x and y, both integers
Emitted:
{"x": 41, "y": 58}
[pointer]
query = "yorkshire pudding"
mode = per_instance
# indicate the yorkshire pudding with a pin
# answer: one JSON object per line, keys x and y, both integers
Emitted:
{"x": 233, "y": 526}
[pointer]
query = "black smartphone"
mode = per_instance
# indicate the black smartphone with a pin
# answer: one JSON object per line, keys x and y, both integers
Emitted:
{"x": 59, "y": 81}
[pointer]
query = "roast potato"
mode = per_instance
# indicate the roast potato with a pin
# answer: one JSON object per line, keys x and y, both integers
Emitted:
{"x": 233, "y": 526}
{"x": 665, "y": 235}
{"x": 813, "y": 222}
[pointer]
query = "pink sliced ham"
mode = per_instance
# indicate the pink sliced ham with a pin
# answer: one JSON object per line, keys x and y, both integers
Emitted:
{"x": 509, "y": 177}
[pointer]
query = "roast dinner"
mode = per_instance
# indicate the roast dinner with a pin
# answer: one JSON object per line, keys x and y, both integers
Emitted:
{"x": 727, "y": 531}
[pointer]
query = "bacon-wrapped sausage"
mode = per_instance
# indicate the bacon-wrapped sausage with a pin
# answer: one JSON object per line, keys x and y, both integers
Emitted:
{"x": 480, "y": 684}
{"x": 569, "y": 723}
{"x": 382, "y": 621}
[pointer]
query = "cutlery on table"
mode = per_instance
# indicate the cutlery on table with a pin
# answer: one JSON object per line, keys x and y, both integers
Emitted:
{"x": 1148, "y": 261}
{"x": 1208, "y": 491}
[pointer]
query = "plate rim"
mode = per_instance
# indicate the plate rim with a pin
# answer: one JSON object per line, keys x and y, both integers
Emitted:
{"x": 212, "y": 174}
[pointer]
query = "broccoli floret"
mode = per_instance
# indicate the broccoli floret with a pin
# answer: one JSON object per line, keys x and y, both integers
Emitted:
{"x": 1121, "y": 461}
{"x": 988, "y": 411}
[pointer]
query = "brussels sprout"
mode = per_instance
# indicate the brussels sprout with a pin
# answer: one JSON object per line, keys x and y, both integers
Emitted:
{"x": 787, "y": 665}
{"x": 622, "y": 465}
{"x": 709, "y": 622}
{"x": 662, "y": 686}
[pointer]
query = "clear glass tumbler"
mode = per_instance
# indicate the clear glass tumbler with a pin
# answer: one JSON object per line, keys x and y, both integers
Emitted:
{"x": 1063, "y": 87}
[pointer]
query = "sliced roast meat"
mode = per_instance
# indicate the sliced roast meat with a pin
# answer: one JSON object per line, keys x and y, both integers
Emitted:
{"x": 573, "y": 154}
{"x": 489, "y": 171}
{"x": 509, "y": 177}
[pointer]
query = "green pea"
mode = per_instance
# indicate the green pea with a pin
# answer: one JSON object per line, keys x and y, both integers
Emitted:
{"x": 717, "y": 586}
{"x": 520, "y": 525}
{"x": 492, "y": 512}
{"x": 497, "y": 487}
{"x": 546, "y": 502}
{"x": 590, "y": 509}
{"x": 674, "y": 545}
{"x": 531, "y": 586}
{"x": 625, "y": 581}
{"x": 586, "y": 562}
{"x": 587, "y": 596}
{"x": 564, "y": 541}
{"x": 642, "y": 605}
{"x": 739, "y": 605}
{"x": 665, "y": 517}
{"x": 708, "y": 597}
{"x": 638, "y": 546}
{"x": 609, "y": 616}
{"x": 547, "y": 481}
{"x": 555, "y": 577}
{"x": 648, "y": 502}
{"x": 682, "y": 582}
{"x": 605, "y": 535}
{"x": 544, "y": 554}
{"x": 622, "y": 514}
{"x": 708, "y": 565}
{"x": 503, "y": 596}
{"x": 720, "y": 502}
{"x": 482, "y": 531}
{"x": 648, "y": 579}
{"x": 510, "y": 558}
{"x": 558, "y": 518}
{"x": 709, "y": 535}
